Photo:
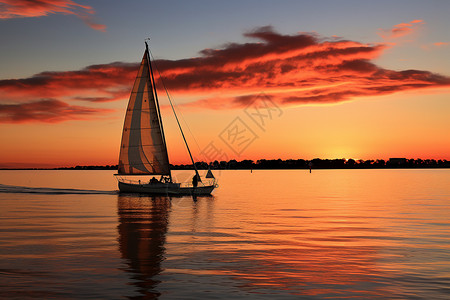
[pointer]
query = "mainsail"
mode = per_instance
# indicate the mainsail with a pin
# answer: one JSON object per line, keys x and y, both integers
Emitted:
{"x": 143, "y": 149}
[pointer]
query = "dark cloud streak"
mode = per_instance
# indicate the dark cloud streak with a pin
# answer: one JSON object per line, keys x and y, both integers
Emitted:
{"x": 46, "y": 110}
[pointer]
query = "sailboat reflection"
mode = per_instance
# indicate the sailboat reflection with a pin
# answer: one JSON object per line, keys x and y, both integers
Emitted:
{"x": 142, "y": 230}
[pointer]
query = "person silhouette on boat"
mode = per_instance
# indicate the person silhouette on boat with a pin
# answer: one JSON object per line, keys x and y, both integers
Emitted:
{"x": 154, "y": 180}
{"x": 195, "y": 181}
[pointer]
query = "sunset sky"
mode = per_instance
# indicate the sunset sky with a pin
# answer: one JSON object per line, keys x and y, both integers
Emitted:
{"x": 251, "y": 79}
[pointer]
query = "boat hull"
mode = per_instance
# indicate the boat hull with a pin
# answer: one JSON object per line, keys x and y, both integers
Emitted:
{"x": 171, "y": 189}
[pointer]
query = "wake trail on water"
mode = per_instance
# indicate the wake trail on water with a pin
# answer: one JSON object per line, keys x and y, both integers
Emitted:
{"x": 49, "y": 191}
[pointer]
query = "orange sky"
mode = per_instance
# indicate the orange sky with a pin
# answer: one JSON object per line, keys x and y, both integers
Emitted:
{"x": 298, "y": 95}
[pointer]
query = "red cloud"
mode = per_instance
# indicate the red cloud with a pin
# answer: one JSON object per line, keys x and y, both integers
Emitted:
{"x": 292, "y": 69}
{"x": 400, "y": 30}
{"x": 96, "y": 83}
{"x": 278, "y": 61}
{"x": 38, "y": 8}
{"x": 48, "y": 110}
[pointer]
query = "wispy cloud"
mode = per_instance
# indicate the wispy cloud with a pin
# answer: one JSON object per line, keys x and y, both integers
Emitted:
{"x": 10, "y": 9}
{"x": 434, "y": 46}
{"x": 441, "y": 44}
{"x": 296, "y": 69}
{"x": 400, "y": 30}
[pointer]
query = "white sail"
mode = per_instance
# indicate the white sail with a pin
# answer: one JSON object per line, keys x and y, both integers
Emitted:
{"x": 143, "y": 149}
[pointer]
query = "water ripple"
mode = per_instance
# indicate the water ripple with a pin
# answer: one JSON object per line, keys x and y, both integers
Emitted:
{"x": 49, "y": 191}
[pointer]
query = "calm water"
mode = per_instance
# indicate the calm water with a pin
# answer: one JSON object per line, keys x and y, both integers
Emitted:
{"x": 336, "y": 234}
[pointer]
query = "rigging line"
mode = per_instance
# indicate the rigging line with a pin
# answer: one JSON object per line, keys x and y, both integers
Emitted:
{"x": 176, "y": 117}
{"x": 167, "y": 92}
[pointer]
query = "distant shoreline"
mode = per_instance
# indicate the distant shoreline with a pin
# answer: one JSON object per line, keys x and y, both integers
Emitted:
{"x": 289, "y": 164}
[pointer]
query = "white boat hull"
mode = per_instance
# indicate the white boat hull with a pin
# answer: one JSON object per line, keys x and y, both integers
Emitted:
{"x": 165, "y": 189}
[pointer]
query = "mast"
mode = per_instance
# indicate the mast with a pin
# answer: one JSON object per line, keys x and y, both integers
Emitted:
{"x": 153, "y": 83}
{"x": 173, "y": 109}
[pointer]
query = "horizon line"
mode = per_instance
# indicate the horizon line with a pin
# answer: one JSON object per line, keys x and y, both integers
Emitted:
{"x": 358, "y": 162}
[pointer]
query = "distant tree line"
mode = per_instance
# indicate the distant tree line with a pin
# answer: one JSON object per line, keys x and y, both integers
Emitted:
{"x": 107, "y": 167}
{"x": 316, "y": 163}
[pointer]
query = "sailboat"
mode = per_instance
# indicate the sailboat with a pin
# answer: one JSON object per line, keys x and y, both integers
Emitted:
{"x": 143, "y": 150}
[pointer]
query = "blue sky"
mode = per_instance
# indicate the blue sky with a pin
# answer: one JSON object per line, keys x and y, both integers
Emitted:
{"x": 180, "y": 29}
